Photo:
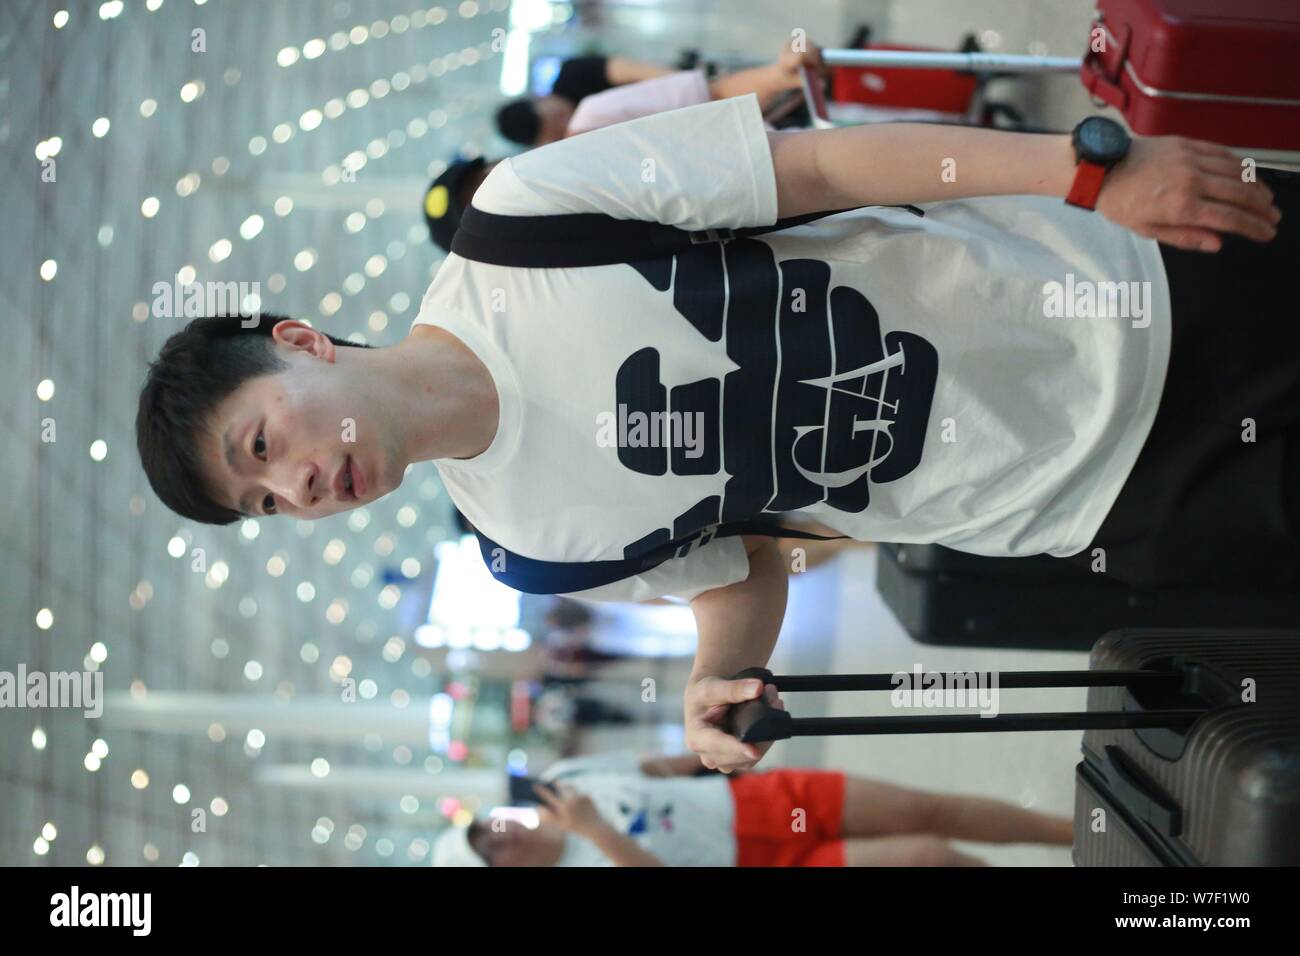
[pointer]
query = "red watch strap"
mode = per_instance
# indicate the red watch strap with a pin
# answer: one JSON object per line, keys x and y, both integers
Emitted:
{"x": 1088, "y": 178}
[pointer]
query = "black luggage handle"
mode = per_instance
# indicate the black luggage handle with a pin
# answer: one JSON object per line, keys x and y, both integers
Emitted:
{"x": 1142, "y": 796}
{"x": 754, "y": 721}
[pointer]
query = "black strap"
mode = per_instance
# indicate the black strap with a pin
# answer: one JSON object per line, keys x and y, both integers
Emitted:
{"x": 592, "y": 239}
{"x": 756, "y": 720}
{"x": 535, "y": 576}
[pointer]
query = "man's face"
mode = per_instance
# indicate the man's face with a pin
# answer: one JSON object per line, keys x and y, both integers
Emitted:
{"x": 292, "y": 436}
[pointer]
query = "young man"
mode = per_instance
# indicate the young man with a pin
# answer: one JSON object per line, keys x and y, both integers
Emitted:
{"x": 893, "y": 376}
{"x": 618, "y": 810}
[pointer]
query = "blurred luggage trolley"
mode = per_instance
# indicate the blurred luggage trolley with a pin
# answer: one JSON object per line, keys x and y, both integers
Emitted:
{"x": 1171, "y": 67}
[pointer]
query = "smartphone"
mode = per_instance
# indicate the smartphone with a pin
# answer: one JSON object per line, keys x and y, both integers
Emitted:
{"x": 813, "y": 96}
{"x": 521, "y": 790}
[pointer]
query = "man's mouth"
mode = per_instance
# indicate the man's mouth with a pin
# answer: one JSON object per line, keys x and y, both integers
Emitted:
{"x": 350, "y": 483}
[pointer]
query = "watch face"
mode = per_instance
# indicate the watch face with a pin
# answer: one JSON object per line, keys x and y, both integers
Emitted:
{"x": 1102, "y": 141}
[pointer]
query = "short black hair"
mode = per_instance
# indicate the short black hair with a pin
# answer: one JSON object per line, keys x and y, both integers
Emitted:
{"x": 519, "y": 122}
{"x": 196, "y": 370}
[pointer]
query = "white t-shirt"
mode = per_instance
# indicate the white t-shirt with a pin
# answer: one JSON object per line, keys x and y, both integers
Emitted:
{"x": 634, "y": 100}
{"x": 917, "y": 391}
{"x": 684, "y": 821}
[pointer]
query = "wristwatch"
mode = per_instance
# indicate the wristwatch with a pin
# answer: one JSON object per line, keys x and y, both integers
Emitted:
{"x": 1099, "y": 144}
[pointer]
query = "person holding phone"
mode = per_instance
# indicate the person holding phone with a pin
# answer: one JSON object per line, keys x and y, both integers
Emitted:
{"x": 620, "y": 810}
{"x": 595, "y": 91}
{"x": 448, "y": 195}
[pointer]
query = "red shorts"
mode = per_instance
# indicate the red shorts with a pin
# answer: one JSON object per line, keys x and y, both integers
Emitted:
{"x": 789, "y": 818}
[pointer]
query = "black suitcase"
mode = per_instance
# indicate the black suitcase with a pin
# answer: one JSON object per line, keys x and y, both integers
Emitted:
{"x": 1178, "y": 768}
{"x": 947, "y": 597}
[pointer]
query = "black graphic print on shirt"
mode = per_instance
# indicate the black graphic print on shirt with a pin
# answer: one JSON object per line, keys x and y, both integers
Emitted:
{"x": 820, "y": 408}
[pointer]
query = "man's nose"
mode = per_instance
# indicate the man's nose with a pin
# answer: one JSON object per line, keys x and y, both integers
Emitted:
{"x": 302, "y": 485}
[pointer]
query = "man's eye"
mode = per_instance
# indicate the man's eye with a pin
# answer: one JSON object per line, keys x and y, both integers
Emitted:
{"x": 268, "y": 505}
{"x": 258, "y": 441}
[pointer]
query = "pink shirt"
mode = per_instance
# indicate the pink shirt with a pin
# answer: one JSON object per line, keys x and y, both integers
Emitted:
{"x": 634, "y": 100}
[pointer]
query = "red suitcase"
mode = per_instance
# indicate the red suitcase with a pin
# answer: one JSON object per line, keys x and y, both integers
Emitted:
{"x": 1221, "y": 70}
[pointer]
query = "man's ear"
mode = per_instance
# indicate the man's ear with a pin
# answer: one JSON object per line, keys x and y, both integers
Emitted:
{"x": 301, "y": 336}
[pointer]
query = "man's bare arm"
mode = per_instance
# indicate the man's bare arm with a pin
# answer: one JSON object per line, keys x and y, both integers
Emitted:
{"x": 769, "y": 81}
{"x": 766, "y": 82}
{"x": 1179, "y": 191}
{"x": 737, "y": 626}
{"x": 671, "y": 765}
{"x": 892, "y": 163}
{"x": 620, "y": 70}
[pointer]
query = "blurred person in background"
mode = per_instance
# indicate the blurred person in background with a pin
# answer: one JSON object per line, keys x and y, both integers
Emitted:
{"x": 621, "y": 810}
{"x": 567, "y": 648}
{"x": 595, "y": 91}
{"x": 537, "y": 120}
{"x": 449, "y": 194}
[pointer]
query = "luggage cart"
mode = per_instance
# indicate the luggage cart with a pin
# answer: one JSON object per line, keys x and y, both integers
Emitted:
{"x": 947, "y": 87}
{"x": 1149, "y": 67}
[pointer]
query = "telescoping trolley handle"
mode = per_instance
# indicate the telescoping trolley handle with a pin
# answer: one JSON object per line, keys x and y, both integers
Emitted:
{"x": 938, "y": 60}
{"x": 754, "y": 721}
{"x": 974, "y": 62}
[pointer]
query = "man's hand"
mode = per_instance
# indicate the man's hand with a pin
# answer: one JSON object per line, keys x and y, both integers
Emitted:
{"x": 769, "y": 81}
{"x": 574, "y": 812}
{"x": 706, "y": 704}
{"x": 569, "y": 810}
{"x": 788, "y": 63}
{"x": 738, "y": 626}
{"x": 1183, "y": 192}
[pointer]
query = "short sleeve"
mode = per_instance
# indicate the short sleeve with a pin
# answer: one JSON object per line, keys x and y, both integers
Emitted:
{"x": 721, "y": 562}
{"x": 634, "y": 100}
{"x": 700, "y": 167}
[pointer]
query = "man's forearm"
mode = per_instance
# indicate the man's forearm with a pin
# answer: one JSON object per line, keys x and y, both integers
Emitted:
{"x": 738, "y": 624}
{"x": 766, "y": 82}
{"x": 674, "y": 765}
{"x": 619, "y": 71}
{"x": 895, "y": 163}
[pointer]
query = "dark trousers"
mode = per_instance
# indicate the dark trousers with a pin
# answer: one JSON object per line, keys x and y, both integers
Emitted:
{"x": 1203, "y": 505}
